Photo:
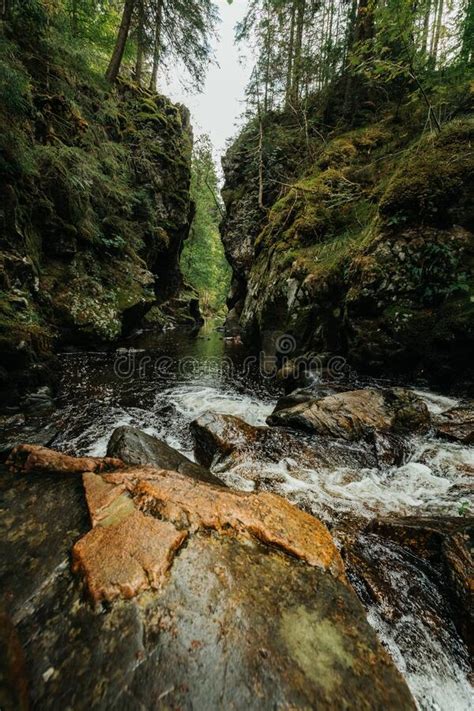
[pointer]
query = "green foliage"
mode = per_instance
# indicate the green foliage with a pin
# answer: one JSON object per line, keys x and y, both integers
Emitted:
{"x": 14, "y": 82}
{"x": 418, "y": 51}
{"x": 28, "y": 17}
{"x": 203, "y": 261}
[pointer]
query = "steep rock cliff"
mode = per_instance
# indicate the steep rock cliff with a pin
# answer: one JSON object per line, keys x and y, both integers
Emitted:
{"x": 368, "y": 253}
{"x": 95, "y": 202}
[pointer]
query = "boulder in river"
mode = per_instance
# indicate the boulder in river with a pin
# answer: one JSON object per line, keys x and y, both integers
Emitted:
{"x": 456, "y": 424}
{"x": 232, "y": 443}
{"x": 133, "y": 446}
{"x": 354, "y": 414}
{"x": 252, "y": 613}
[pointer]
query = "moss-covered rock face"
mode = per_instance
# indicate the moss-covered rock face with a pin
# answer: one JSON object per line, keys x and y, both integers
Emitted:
{"x": 95, "y": 202}
{"x": 370, "y": 253}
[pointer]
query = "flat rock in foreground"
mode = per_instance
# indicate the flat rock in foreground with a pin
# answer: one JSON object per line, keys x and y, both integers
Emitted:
{"x": 234, "y": 620}
{"x": 127, "y": 552}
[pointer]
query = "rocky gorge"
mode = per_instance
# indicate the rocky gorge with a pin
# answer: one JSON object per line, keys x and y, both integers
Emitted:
{"x": 365, "y": 250}
{"x": 274, "y": 512}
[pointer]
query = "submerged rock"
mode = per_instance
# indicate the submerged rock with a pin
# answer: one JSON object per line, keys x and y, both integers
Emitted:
{"x": 355, "y": 414}
{"x": 133, "y": 446}
{"x": 456, "y": 424}
{"x": 235, "y": 623}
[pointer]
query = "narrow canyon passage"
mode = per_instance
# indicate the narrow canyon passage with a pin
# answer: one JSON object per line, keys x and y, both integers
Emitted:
{"x": 236, "y": 355}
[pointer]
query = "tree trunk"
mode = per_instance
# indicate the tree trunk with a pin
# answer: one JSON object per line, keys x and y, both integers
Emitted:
{"x": 426, "y": 27}
{"x": 140, "y": 42}
{"x": 467, "y": 43}
{"x": 329, "y": 44}
{"x": 268, "y": 54}
{"x": 437, "y": 31}
{"x": 117, "y": 55}
{"x": 74, "y": 18}
{"x": 4, "y": 8}
{"x": 361, "y": 30}
{"x": 291, "y": 43}
{"x": 156, "y": 45}
{"x": 296, "y": 79}
{"x": 260, "y": 146}
{"x": 364, "y": 25}
{"x": 260, "y": 164}
{"x": 322, "y": 58}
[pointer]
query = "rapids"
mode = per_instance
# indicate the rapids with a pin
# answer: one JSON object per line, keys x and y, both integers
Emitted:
{"x": 161, "y": 383}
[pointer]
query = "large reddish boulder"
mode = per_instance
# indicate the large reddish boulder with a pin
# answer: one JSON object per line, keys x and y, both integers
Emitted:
{"x": 212, "y": 598}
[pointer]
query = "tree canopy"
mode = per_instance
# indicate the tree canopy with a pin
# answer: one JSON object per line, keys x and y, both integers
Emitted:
{"x": 304, "y": 46}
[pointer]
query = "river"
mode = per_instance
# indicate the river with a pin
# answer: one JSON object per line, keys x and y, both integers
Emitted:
{"x": 160, "y": 383}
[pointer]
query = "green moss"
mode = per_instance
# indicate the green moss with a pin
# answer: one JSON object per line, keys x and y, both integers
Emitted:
{"x": 97, "y": 191}
{"x": 431, "y": 178}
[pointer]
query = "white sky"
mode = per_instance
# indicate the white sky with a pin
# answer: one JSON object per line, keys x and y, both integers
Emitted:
{"x": 215, "y": 111}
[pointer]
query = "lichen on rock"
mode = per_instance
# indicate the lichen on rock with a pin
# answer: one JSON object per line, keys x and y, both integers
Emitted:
{"x": 186, "y": 506}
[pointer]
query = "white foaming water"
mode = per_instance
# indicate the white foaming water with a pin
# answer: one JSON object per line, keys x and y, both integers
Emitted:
{"x": 92, "y": 439}
{"x": 422, "y": 640}
{"x": 436, "y": 680}
{"x": 192, "y": 402}
{"x": 435, "y": 480}
{"x": 407, "y": 490}
{"x": 436, "y": 403}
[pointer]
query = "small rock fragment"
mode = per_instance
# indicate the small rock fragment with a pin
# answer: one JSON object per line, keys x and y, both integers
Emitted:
{"x": 35, "y": 458}
{"x": 124, "y": 559}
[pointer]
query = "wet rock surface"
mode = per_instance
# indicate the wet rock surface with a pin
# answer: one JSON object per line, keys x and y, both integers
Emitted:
{"x": 16, "y": 429}
{"x": 446, "y": 544}
{"x": 13, "y": 687}
{"x": 127, "y": 551}
{"x": 456, "y": 424}
{"x": 126, "y": 557}
{"x": 362, "y": 290}
{"x": 228, "y": 442}
{"x": 236, "y": 622}
{"x": 133, "y": 446}
{"x": 354, "y": 414}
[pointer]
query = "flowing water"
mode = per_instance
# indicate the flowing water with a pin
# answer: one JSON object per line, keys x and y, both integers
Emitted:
{"x": 161, "y": 383}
